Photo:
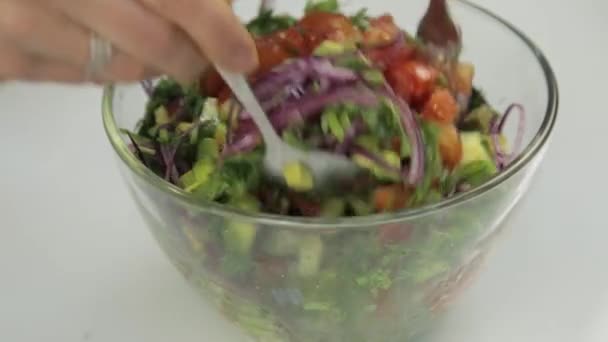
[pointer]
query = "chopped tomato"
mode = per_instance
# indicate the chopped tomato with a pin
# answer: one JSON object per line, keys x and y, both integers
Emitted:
{"x": 306, "y": 206}
{"x": 463, "y": 78}
{"x": 270, "y": 53}
{"x": 224, "y": 94}
{"x": 212, "y": 83}
{"x": 384, "y": 56}
{"x": 412, "y": 80}
{"x": 381, "y": 32}
{"x": 390, "y": 197}
{"x": 395, "y": 233}
{"x": 450, "y": 146}
{"x": 272, "y": 266}
{"x": 321, "y": 26}
{"x": 386, "y": 304}
{"x": 293, "y": 42}
{"x": 441, "y": 107}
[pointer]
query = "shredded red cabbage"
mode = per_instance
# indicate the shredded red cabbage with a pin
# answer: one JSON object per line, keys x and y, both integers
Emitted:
{"x": 168, "y": 153}
{"x": 135, "y": 146}
{"x": 502, "y": 158}
{"x": 301, "y": 110}
{"x": 296, "y": 73}
{"x": 309, "y": 106}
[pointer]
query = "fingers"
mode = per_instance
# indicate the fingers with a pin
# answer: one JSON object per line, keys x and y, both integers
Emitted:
{"x": 19, "y": 64}
{"x": 38, "y": 43}
{"x": 44, "y": 32}
{"x": 15, "y": 64}
{"x": 214, "y": 28}
{"x": 138, "y": 32}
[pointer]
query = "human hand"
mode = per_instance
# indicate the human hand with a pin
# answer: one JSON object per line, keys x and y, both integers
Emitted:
{"x": 50, "y": 40}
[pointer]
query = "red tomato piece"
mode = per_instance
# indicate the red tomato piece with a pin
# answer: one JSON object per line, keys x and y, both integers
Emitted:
{"x": 224, "y": 94}
{"x": 412, "y": 80}
{"x": 386, "y": 305}
{"x": 382, "y": 31}
{"x": 463, "y": 78}
{"x": 395, "y": 233}
{"x": 441, "y": 107}
{"x": 320, "y": 26}
{"x": 270, "y": 53}
{"x": 384, "y": 56}
{"x": 272, "y": 266}
{"x": 450, "y": 146}
{"x": 390, "y": 197}
{"x": 212, "y": 82}
{"x": 293, "y": 42}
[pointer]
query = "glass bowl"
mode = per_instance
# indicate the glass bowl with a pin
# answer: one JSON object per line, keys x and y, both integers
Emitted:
{"x": 289, "y": 286}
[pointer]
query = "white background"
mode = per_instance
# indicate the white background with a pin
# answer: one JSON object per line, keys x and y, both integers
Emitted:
{"x": 77, "y": 263}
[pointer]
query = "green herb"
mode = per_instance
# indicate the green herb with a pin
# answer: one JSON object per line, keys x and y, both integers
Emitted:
{"x": 361, "y": 19}
{"x": 395, "y": 125}
{"x": 331, "y": 123}
{"x": 433, "y": 164}
{"x": 373, "y": 77}
{"x": 293, "y": 138}
{"x": 477, "y": 99}
{"x": 266, "y": 23}
{"x": 322, "y": 6}
{"x": 376, "y": 281}
{"x": 242, "y": 173}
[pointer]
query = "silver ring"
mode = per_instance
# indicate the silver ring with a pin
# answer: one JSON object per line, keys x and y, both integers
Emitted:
{"x": 101, "y": 52}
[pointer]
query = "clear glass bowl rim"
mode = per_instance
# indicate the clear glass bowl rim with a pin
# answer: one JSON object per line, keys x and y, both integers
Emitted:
{"x": 289, "y": 222}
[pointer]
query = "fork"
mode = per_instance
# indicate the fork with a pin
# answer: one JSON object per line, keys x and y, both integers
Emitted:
{"x": 323, "y": 166}
{"x": 439, "y": 31}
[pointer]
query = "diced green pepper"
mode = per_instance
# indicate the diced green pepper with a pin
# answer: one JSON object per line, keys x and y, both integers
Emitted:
{"x": 198, "y": 176}
{"x": 360, "y": 207}
{"x": 239, "y": 236}
{"x": 355, "y": 63}
{"x": 310, "y": 255}
{"x": 332, "y": 48}
{"x": 281, "y": 243}
{"x": 374, "y": 77}
{"x": 207, "y": 149}
{"x": 163, "y": 136}
{"x": 333, "y": 207}
{"x": 298, "y": 176}
{"x": 368, "y": 141}
{"x": 184, "y": 127}
{"x": 473, "y": 148}
{"x": 161, "y": 116}
{"x": 390, "y": 157}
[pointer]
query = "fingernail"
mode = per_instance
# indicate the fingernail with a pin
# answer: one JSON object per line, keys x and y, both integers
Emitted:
{"x": 243, "y": 59}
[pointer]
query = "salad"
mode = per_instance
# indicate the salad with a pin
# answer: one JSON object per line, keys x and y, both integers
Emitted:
{"x": 355, "y": 85}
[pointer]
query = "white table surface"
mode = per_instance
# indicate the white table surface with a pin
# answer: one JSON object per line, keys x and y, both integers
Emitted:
{"x": 78, "y": 264}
